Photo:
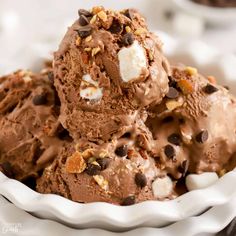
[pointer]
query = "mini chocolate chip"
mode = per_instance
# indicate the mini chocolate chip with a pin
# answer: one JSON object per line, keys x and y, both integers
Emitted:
{"x": 172, "y": 82}
{"x": 140, "y": 180}
{"x": 121, "y": 151}
{"x": 173, "y": 93}
{"x": 209, "y": 89}
{"x": 128, "y": 39}
{"x": 103, "y": 162}
{"x": 183, "y": 168}
{"x": 202, "y": 136}
{"x": 169, "y": 151}
{"x": 128, "y": 201}
{"x": 51, "y": 76}
{"x": 116, "y": 27}
{"x": 128, "y": 13}
{"x": 93, "y": 169}
{"x": 83, "y": 12}
{"x": 174, "y": 139}
{"x": 40, "y": 100}
{"x": 168, "y": 119}
{"x": 84, "y": 31}
{"x": 83, "y": 20}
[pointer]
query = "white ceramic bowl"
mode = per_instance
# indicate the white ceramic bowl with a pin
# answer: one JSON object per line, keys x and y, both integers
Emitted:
{"x": 117, "y": 218}
{"x": 151, "y": 213}
{"x": 212, "y": 15}
{"x": 16, "y": 222}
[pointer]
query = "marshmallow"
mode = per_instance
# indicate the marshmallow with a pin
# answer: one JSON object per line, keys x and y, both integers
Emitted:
{"x": 89, "y": 88}
{"x": 194, "y": 181}
{"x": 132, "y": 61}
{"x": 162, "y": 187}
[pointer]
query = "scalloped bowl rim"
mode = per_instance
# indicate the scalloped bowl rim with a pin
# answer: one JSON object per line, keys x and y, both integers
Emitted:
{"x": 118, "y": 217}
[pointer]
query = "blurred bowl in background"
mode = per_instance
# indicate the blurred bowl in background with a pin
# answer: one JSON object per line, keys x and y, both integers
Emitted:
{"x": 212, "y": 15}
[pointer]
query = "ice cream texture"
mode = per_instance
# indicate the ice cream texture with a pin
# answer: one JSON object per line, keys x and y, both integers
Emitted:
{"x": 112, "y": 121}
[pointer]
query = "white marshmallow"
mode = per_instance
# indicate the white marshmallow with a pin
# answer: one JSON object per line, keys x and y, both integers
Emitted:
{"x": 194, "y": 181}
{"x": 92, "y": 90}
{"x": 132, "y": 60}
{"x": 162, "y": 187}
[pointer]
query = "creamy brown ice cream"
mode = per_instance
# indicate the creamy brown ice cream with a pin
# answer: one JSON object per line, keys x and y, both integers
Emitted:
{"x": 107, "y": 67}
{"x": 30, "y": 130}
{"x": 120, "y": 172}
{"x": 140, "y": 131}
{"x": 137, "y": 131}
{"x": 197, "y": 118}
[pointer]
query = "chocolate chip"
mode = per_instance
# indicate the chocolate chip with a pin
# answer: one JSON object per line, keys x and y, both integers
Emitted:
{"x": 174, "y": 139}
{"x": 183, "y": 168}
{"x": 40, "y": 100}
{"x": 172, "y": 82}
{"x": 128, "y": 39}
{"x": 84, "y": 31}
{"x": 128, "y": 201}
{"x": 93, "y": 169}
{"x": 116, "y": 27}
{"x": 140, "y": 180}
{"x": 121, "y": 151}
{"x": 169, "y": 151}
{"x": 168, "y": 119}
{"x": 173, "y": 93}
{"x": 202, "y": 137}
{"x": 103, "y": 162}
{"x": 209, "y": 89}
{"x": 83, "y": 12}
{"x": 51, "y": 76}
{"x": 83, "y": 20}
{"x": 128, "y": 13}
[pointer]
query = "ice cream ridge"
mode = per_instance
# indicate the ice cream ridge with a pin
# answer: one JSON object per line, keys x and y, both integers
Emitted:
{"x": 128, "y": 127}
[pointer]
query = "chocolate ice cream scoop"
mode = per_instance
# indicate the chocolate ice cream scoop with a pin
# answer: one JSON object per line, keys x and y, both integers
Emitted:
{"x": 118, "y": 172}
{"x": 30, "y": 131}
{"x": 197, "y": 120}
{"x": 107, "y": 67}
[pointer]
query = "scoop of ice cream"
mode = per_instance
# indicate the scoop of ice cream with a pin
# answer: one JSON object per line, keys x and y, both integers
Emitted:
{"x": 122, "y": 171}
{"x": 107, "y": 66}
{"x": 30, "y": 131}
{"x": 195, "y": 125}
